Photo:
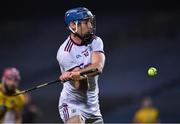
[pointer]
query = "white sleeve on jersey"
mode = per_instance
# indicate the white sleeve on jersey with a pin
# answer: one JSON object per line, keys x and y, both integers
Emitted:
{"x": 97, "y": 45}
{"x": 66, "y": 61}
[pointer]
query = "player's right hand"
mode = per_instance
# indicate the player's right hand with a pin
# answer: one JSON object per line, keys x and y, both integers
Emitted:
{"x": 65, "y": 77}
{"x": 3, "y": 110}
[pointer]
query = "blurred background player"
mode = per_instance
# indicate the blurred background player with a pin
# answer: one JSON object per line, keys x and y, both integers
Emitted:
{"x": 147, "y": 113}
{"x": 10, "y": 106}
{"x": 31, "y": 111}
{"x": 81, "y": 51}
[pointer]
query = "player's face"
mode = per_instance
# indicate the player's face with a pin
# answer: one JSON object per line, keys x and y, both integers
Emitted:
{"x": 86, "y": 27}
{"x": 10, "y": 84}
{"x": 147, "y": 103}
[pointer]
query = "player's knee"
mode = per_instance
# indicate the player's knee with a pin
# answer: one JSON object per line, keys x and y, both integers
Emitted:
{"x": 75, "y": 119}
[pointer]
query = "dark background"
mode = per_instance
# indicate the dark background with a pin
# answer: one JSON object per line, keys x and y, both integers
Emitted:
{"x": 136, "y": 35}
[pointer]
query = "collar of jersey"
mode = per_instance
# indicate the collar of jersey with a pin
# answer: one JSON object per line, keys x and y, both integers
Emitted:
{"x": 75, "y": 42}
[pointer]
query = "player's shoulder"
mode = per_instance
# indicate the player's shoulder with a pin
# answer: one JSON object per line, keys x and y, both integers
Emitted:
{"x": 97, "y": 42}
{"x": 97, "y": 39}
{"x": 64, "y": 47}
{"x": 20, "y": 98}
{"x": 21, "y": 95}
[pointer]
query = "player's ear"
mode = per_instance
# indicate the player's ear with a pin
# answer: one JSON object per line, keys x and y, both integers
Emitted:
{"x": 73, "y": 26}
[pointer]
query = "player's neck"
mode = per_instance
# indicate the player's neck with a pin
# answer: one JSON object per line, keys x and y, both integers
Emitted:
{"x": 75, "y": 39}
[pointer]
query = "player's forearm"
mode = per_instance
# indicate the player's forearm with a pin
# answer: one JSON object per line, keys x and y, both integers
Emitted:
{"x": 97, "y": 64}
{"x": 89, "y": 71}
{"x": 98, "y": 60}
{"x": 98, "y": 67}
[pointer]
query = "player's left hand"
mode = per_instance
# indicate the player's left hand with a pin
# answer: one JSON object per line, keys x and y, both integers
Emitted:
{"x": 75, "y": 75}
{"x": 65, "y": 77}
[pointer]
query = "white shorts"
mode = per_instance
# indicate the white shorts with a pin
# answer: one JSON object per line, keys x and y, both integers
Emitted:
{"x": 67, "y": 110}
{"x": 69, "y": 107}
